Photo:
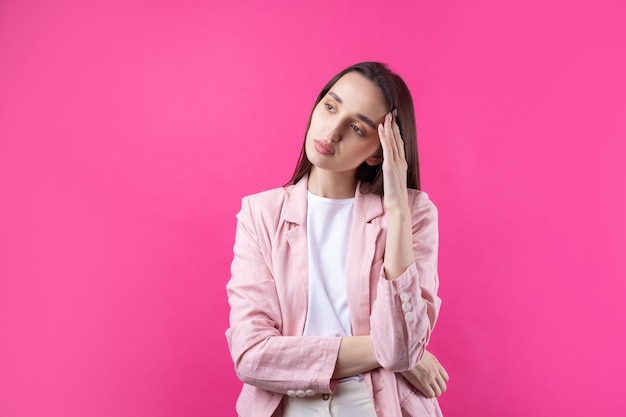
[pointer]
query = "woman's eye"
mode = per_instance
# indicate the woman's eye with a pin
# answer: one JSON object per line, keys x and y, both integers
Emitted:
{"x": 357, "y": 130}
{"x": 329, "y": 107}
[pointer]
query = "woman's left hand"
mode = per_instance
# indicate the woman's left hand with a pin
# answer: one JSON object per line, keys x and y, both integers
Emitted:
{"x": 394, "y": 165}
{"x": 398, "y": 245}
{"x": 429, "y": 377}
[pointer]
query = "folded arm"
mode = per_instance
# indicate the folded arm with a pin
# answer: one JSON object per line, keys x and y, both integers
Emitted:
{"x": 262, "y": 355}
{"x": 406, "y": 306}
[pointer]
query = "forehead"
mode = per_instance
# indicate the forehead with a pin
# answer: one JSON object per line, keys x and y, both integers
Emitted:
{"x": 360, "y": 95}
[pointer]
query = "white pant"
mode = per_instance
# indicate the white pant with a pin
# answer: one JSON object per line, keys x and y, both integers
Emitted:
{"x": 351, "y": 399}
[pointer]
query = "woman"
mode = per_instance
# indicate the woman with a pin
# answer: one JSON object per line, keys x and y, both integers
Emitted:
{"x": 334, "y": 280}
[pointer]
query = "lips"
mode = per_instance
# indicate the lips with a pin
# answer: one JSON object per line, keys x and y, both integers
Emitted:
{"x": 323, "y": 148}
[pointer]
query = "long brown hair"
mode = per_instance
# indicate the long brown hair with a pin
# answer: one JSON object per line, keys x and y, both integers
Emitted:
{"x": 397, "y": 96}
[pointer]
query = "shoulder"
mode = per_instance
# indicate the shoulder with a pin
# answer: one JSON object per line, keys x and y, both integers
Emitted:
{"x": 268, "y": 204}
{"x": 268, "y": 197}
{"x": 424, "y": 213}
{"x": 419, "y": 200}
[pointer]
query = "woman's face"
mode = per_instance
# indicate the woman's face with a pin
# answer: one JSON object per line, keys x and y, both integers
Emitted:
{"x": 344, "y": 125}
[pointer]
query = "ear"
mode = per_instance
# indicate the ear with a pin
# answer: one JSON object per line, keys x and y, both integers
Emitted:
{"x": 376, "y": 158}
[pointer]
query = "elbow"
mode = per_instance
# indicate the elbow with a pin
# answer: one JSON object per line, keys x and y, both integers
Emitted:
{"x": 395, "y": 365}
{"x": 401, "y": 361}
{"x": 393, "y": 357}
{"x": 243, "y": 359}
{"x": 244, "y": 369}
{"x": 244, "y": 377}
{"x": 401, "y": 351}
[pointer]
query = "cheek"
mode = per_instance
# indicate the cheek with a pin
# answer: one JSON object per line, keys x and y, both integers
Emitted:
{"x": 320, "y": 118}
{"x": 316, "y": 121}
{"x": 372, "y": 148}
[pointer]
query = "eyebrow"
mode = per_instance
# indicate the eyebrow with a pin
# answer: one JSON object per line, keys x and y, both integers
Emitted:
{"x": 361, "y": 117}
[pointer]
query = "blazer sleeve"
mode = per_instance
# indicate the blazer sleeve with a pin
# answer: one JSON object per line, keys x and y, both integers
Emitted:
{"x": 263, "y": 357}
{"x": 406, "y": 309}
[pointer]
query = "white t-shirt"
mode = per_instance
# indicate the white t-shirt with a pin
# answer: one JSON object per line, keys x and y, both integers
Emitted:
{"x": 328, "y": 234}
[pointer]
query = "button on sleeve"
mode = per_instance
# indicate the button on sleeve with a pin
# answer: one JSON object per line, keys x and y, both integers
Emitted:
{"x": 409, "y": 316}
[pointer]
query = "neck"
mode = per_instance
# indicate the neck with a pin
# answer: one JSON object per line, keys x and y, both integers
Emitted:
{"x": 329, "y": 184}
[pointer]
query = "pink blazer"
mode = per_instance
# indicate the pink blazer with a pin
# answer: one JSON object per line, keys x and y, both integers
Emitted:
{"x": 268, "y": 296}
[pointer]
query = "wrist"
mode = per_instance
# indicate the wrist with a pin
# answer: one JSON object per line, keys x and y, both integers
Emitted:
{"x": 398, "y": 211}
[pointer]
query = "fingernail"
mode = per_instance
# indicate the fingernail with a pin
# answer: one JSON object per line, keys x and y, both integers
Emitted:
{"x": 389, "y": 116}
{"x": 395, "y": 112}
{"x": 381, "y": 128}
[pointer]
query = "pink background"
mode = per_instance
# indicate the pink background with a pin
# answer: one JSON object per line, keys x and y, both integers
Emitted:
{"x": 130, "y": 131}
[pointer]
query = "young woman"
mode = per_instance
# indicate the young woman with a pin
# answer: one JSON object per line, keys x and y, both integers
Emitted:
{"x": 333, "y": 291}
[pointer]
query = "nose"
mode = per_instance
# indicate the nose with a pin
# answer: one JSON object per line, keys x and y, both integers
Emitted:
{"x": 334, "y": 134}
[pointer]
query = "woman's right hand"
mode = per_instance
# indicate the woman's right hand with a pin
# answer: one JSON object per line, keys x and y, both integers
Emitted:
{"x": 429, "y": 377}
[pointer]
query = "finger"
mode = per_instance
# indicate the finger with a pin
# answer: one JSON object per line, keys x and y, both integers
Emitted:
{"x": 436, "y": 390}
{"x": 443, "y": 373}
{"x": 428, "y": 391}
{"x": 423, "y": 385}
{"x": 393, "y": 145}
{"x": 384, "y": 142}
{"x": 442, "y": 384}
{"x": 398, "y": 137}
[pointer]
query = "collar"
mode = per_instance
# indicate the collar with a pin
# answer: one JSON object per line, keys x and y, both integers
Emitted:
{"x": 366, "y": 206}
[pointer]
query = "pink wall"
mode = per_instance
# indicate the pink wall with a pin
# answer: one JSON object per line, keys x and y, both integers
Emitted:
{"x": 129, "y": 133}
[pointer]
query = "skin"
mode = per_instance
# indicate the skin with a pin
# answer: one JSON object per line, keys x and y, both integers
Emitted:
{"x": 335, "y": 124}
{"x": 428, "y": 376}
{"x": 349, "y": 126}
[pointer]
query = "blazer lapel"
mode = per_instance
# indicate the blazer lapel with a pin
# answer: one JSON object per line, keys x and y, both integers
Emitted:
{"x": 298, "y": 287}
{"x": 363, "y": 243}
{"x": 364, "y": 236}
